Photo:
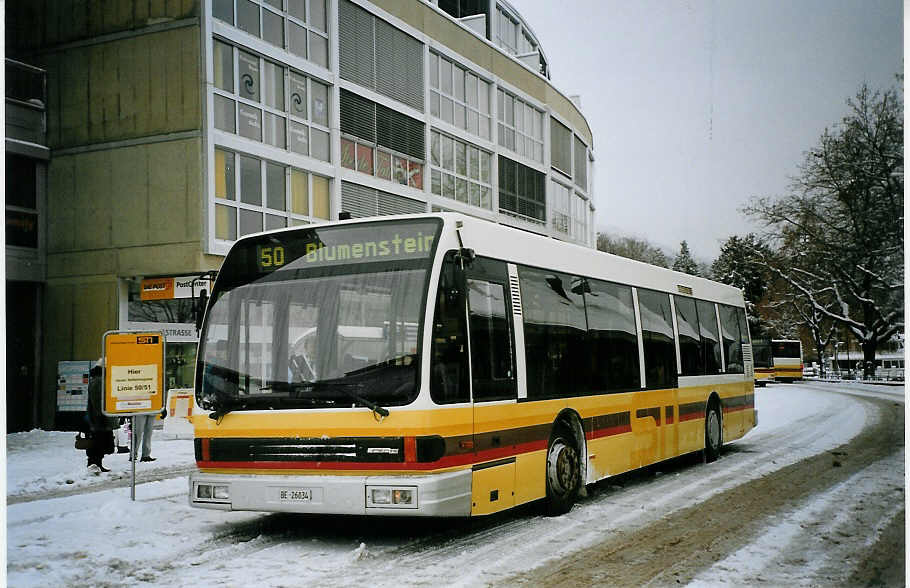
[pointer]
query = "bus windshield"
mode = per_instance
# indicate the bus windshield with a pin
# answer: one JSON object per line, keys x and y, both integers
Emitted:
{"x": 318, "y": 317}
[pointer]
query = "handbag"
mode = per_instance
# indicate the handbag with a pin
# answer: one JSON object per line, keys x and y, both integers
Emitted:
{"x": 83, "y": 441}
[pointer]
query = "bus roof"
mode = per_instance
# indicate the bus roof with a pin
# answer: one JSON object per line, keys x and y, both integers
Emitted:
{"x": 514, "y": 245}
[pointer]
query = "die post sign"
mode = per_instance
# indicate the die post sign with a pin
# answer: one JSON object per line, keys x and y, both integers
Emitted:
{"x": 133, "y": 372}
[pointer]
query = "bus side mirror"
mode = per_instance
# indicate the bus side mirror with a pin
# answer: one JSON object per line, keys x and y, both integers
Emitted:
{"x": 465, "y": 257}
{"x": 199, "y": 308}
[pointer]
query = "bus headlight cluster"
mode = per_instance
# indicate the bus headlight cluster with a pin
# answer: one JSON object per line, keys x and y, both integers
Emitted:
{"x": 391, "y": 497}
{"x": 213, "y": 492}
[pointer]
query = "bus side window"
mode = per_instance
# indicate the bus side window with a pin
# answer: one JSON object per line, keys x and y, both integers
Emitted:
{"x": 710, "y": 341}
{"x": 743, "y": 325}
{"x": 555, "y": 334}
{"x": 492, "y": 361}
{"x": 449, "y": 353}
{"x": 658, "y": 339}
{"x": 612, "y": 352}
{"x": 733, "y": 354}
{"x": 691, "y": 351}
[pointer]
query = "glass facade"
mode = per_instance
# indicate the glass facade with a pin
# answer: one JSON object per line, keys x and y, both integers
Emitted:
{"x": 277, "y": 162}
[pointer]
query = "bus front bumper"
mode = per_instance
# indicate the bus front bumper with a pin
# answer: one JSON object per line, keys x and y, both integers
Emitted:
{"x": 446, "y": 494}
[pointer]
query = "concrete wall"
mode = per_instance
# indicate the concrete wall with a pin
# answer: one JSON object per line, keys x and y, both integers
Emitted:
{"x": 125, "y": 179}
{"x": 38, "y": 24}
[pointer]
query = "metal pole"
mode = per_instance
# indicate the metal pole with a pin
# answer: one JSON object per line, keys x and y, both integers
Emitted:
{"x": 133, "y": 457}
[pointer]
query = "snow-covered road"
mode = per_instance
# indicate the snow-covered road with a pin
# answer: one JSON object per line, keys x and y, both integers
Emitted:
{"x": 97, "y": 536}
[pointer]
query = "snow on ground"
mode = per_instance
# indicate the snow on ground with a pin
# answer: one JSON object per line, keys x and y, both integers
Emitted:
{"x": 860, "y": 506}
{"x": 103, "y": 538}
{"x": 46, "y": 460}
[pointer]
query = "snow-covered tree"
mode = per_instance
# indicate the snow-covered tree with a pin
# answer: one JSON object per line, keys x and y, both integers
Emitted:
{"x": 840, "y": 231}
{"x": 684, "y": 262}
{"x": 740, "y": 264}
{"x": 632, "y": 248}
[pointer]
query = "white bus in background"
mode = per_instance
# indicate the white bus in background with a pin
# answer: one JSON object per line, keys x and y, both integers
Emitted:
{"x": 787, "y": 359}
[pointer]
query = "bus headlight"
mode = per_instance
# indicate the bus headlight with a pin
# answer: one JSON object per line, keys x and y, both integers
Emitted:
{"x": 392, "y": 497}
{"x": 213, "y": 492}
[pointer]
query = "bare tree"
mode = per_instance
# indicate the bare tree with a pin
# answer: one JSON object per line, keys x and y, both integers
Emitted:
{"x": 840, "y": 231}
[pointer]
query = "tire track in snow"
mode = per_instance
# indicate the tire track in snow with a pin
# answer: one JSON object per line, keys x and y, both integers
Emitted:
{"x": 809, "y": 545}
{"x": 679, "y": 546}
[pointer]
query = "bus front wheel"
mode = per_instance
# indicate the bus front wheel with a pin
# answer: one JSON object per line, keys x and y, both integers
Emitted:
{"x": 563, "y": 473}
{"x": 713, "y": 433}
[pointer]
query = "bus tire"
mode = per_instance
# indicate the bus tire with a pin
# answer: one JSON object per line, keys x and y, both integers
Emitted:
{"x": 563, "y": 472}
{"x": 713, "y": 432}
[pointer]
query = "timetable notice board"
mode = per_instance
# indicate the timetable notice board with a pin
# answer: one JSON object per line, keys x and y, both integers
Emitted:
{"x": 133, "y": 372}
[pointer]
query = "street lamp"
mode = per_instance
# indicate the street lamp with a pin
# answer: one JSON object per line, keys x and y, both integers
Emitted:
{"x": 836, "y": 361}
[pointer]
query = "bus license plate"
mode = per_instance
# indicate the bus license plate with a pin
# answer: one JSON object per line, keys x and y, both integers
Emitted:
{"x": 295, "y": 495}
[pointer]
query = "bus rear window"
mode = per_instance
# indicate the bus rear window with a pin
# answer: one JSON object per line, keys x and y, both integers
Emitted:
{"x": 786, "y": 349}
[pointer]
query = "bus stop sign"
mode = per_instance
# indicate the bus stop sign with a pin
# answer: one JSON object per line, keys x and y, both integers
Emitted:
{"x": 133, "y": 373}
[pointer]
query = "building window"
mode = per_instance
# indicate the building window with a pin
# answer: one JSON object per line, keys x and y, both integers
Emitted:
{"x": 463, "y": 8}
{"x": 269, "y": 102}
{"x": 252, "y": 195}
{"x": 560, "y": 207}
{"x": 579, "y": 218}
{"x": 520, "y": 126}
{"x": 521, "y": 191}
{"x": 459, "y": 97}
{"x": 460, "y": 171}
{"x": 381, "y": 142}
{"x": 21, "y": 202}
{"x": 301, "y": 29}
{"x": 363, "y": 201}
{"x": 560, "y": 147}
{"x": 581, "y": 164}
{"x": 376, "y": 55}
{"x": 506, "y": 31}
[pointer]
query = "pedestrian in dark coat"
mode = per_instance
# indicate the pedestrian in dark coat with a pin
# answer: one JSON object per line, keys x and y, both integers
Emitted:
{"x": 100, "y": 427}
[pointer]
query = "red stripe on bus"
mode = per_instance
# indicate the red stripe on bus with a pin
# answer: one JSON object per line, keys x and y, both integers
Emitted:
{"x": 609, "y": 431}
{"x": 738, "y": 408}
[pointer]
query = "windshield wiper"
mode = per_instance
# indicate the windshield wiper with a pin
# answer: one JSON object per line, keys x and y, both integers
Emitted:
{"x": 337, "y": 384}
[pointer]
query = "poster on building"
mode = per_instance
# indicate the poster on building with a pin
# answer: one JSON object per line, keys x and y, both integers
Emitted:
{"x": 72, "y": 385}
{"x": 134, "y": 372}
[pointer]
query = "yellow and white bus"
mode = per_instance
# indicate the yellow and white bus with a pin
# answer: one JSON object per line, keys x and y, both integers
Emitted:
{"x": 443, "y": 365}
{"x": 763, "y": 364}
{"x": 787, "y": 359}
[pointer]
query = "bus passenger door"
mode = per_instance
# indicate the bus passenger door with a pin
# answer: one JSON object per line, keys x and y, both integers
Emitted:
{"x": 493, "y": 385}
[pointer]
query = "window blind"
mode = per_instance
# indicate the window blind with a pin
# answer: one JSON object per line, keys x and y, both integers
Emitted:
{"x": 376, "y": 55}
{"x": 356, "y": 44}
{"x": 362, "y": 201}
{"x": 358, "y": 116}
{"x": 399, "y": 65}
{"x": 581, "y": 165}
{"x": 560, "y": 147}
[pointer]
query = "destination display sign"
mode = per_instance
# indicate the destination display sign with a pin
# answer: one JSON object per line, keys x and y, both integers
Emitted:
{"x": 336, "y": 245}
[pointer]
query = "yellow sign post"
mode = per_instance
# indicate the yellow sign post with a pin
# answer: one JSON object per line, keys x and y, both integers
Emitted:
{"x": 133, "y": 379}
{"x": 133, "y": 373}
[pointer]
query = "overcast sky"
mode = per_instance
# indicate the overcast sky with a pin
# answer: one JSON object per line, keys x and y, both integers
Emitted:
{"x": 699, "y": 105}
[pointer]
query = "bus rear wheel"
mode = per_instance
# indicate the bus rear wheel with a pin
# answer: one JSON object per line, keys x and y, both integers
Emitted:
{"x": 563, "y": 473}
{"x": 713, "y": 432}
